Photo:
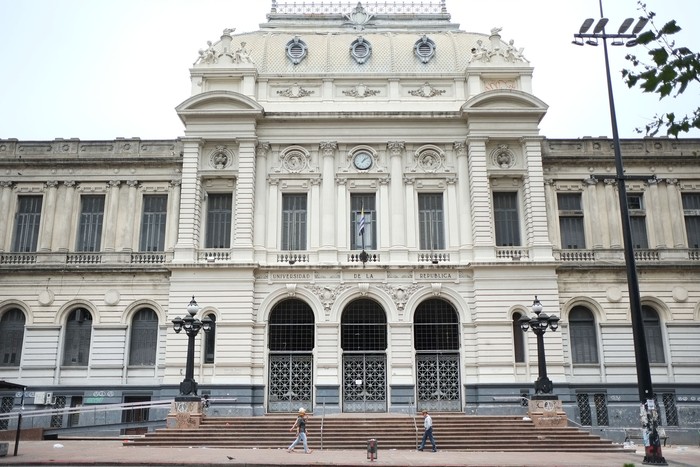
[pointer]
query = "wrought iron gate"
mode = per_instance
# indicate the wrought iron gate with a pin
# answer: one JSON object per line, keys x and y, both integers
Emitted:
{"x": 364, "y": 383}
{"x": 438, "y": 382}
{"x": 291, "y": 380}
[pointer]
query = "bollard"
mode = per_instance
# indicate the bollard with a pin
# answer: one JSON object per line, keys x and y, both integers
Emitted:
{"x": 372, "y": 446}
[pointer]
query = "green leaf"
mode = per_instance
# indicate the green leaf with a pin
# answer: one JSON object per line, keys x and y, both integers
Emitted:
{"x": 660, "y": 56}
{"x": 669, "y": 28}
{"x": 645, "y": 37}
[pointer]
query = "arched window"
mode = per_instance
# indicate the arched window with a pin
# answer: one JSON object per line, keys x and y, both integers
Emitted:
{"x": 210, "y": 340}
{"x": 363, "y": 327}
{"x": 518, "y": 339}
{"x": 436, "y": 326}
{"x": 12, "y": 332}
{"x": 144, "y": 338}
{"x": 583, "y": 335}
{"x": 76, "y": 350}
{"x": 652, "y": 334}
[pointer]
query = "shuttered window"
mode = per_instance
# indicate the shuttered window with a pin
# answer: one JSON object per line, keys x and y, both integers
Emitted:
{"x": 153, "y": 222}
{"x": 210, "y": 340}
{"x": 571, "y": 221}
{"x": 144, "y": 338}
{"x": 431, "y": 221}
{"x": 584, "y": 340}
{"x": 12, "y": 332}
{"x": 691, "y": 211}
{"x": 653, "y": 336}
{"x": 219, "y": 216}
{"x": 92, "y": 209}
{"x": 76, "y": 348}
{"x": 293, "y": 222}
{"x": 359, "y": 204}
{"x": 27, "y": 221}
{"x": 506, "y": 219}
{"x": 638, "y": 221}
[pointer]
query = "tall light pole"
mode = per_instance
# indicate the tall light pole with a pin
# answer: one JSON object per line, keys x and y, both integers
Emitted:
{"x": 191, "y": 325}
{"x": 539, "y": 324}
{"x": 648, "y": 412}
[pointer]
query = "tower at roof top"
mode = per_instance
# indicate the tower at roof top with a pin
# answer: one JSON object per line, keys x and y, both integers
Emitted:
{"x": 360, "y": 16}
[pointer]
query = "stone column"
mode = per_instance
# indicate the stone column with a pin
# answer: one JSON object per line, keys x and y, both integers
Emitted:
{"x": 274, "y": 240}
{"x": 5, "y": 196}
{"x": 536, "y": 210}
{"x": 62, "y": 234}
{"x": 657, "y": 218}
{"x": 111, "y": 218}
{"x": 316, "y": 227}
{"x": 480, "y": 196}
{"x": 464, "y": 203}
{"x": 675, "y": 209}
{"x": 245, "y": 202}
{"x": 396, "y": 187}
{"x": 452, "y": 213}
{"x": 328, "y": 218}
{"x": 343, "y": 221}
{"x": 190, "y": 203}
{"x": 594, "y": 221}
{"x": 613, "y": 203}
{"x": 173, "y": 211}
{"x": 550, "y": 194}
{"x": 384, "y": 221}
{"x": 125, "y": 234}
{"x": 49, "y": 212}
{"x": 262, "y": 151}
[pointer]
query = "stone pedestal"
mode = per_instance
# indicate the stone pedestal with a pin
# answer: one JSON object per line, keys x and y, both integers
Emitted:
{"x": 546, "y": 411}
{"x": 185, "y": 412}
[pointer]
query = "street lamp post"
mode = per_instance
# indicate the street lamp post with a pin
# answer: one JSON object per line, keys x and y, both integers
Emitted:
{"x": 648, "y": 412}
{"x": 191, "y": 325}
{"x": 539, "y": 324}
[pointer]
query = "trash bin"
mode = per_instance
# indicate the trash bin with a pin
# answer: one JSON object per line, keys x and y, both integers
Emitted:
{"x": 372, "y": 446}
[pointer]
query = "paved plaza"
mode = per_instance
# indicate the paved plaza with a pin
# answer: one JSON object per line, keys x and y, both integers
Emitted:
{"x": 98, "y": 453}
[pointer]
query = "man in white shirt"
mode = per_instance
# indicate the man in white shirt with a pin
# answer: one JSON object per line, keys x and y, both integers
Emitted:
{"x": 428, "y": 431}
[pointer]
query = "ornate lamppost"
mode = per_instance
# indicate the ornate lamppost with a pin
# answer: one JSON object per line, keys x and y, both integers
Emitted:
{"x": 191, "y": 325}
{"x": 539, "y": 324}
{"x": 648, "y": 412}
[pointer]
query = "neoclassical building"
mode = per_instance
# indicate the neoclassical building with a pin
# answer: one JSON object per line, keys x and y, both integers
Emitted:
{"x": 364, "y": 206}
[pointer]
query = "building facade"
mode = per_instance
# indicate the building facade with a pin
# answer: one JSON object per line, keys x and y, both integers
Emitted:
{"x": 364, "y": 206}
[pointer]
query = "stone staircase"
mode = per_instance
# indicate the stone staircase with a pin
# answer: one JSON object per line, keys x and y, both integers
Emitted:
{"x": 457, "y": 432}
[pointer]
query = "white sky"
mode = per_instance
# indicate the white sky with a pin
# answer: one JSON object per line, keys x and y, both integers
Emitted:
{"x": 101, "y": 69}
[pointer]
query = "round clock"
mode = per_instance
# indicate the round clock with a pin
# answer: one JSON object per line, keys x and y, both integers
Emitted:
{"x": 362, "y": 160}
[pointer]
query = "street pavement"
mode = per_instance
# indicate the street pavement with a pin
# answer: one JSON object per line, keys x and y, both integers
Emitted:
{"x": 111, "y": 453}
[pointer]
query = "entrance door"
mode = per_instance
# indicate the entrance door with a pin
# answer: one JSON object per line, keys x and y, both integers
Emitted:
{"x": 363, "y": 340}
{"x": 291, "y": 378}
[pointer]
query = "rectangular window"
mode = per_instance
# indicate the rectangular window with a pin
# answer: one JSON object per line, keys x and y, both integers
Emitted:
{"x": 27, "y": 221}
{"x": 219, "y": 215}
{"x": 691, "y": 211}
{"x": 571, "y": 221}
{"x": 505, "y": 216}
{"x": 363, "y": 205}
{"x": 155, "y": 211}
{"x": 92, "y": 208}
{"x": 431, "y": 221}
{"x": 293, "y": 222}
{"x": 638, "y": 221}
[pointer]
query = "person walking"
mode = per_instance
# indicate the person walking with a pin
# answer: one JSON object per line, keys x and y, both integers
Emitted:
{"x": 300, "y": 426}
{"x": 427, "y": 431}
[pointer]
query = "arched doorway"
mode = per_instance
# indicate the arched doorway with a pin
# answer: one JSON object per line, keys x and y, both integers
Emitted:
{"x": 436, "y": 340}
{"x": 363, "y": 340}
{"x": 291, "y": 344}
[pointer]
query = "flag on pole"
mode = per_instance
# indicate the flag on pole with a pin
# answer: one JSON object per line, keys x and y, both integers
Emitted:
{"x": 361, "y": 229}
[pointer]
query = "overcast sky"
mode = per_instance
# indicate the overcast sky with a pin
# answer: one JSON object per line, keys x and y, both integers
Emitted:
{"x": 101, "y": 69}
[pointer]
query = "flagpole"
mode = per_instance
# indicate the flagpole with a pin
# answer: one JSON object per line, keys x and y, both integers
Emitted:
{"x": 363, "y": 255}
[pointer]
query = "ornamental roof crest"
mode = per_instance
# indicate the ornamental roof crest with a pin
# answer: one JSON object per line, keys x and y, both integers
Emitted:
{"x": 359, "y": 16}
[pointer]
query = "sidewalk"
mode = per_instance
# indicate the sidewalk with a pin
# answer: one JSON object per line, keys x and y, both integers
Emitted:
{"x": 76, "y": 453}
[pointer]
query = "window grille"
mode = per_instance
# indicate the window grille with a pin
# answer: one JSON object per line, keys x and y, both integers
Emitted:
{"x": 571, "y": 221}
{"x": 144, "y": 338}
{"x": 210, "y": 340}
{"x": 6, "y": 405}
{"x": 57, "y": 417}
{"x": 219, "y": 214}
{"x": 12, "y": 332}
{"x": 76, "y": 350}
{"x": 359, "y": 204}
{"x": 584, "y": 340}
{"x": 691, "y": 210}
{"x": 518, "y": 339}
{"x": 291, "y": 327}
{"x": 135, "y": 415}
{"x": 431, "y": 221}
{"x": 652, "y": 334}
{"x": 27, "y": 222}
{"x": 601, "y": 409}
{"x": 584, "y": 409}
{"x": 363, "y": 327}
{"x": 436, "y": 326}
{"x": 293, "y": 221}
{"x": 670, "y": 409}
{"x": 506, "y": 220}
{"x": 153, "y": 222}
{"x": 91, "y": 219}
{"x": 638, "y": 227}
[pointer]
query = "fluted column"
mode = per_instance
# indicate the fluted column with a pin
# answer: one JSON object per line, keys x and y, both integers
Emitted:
{"x": 614, "y": 227}
{"x": 315, "y": 203}
{"x": 173, "y": 213}
{"x": 550, "y": 194}
{"x": 384, "y": 222}
{"x": 5, "y": 196}
{"x": 271, "y": 219}
{"x": 62, "y": 234}
{"x": 675, "y": 209}
{"x": 245, "y": 201}
{"x": 535, "y": 206}
{"x": 657, "y": 218}
{"x": 125, "y": 233}
{"x": 343, "y": 221}
{"x": 112, "y": 216}
{"x": 399, "y": 220}
{"x": 452, "y": 213}
{"x": 480, "y": 197}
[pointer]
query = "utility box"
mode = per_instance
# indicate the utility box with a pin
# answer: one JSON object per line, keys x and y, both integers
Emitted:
{"x": 43, "y": 398}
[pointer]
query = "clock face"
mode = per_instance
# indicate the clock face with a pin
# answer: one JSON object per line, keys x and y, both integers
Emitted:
{"x": 362, "y": 160}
